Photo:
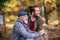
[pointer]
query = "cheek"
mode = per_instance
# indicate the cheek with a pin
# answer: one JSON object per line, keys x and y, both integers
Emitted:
{"x": 36, "y": 13}
{"x": 25, "y": 18}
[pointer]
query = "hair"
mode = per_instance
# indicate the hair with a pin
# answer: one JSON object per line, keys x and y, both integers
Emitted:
{"x": 31, "y": 9}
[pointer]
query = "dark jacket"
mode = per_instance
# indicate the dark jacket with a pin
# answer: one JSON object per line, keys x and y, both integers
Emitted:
{"x": 38, "y": 23}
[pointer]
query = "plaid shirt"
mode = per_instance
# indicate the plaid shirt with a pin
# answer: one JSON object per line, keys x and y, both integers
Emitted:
{"x": 21, "y": 31}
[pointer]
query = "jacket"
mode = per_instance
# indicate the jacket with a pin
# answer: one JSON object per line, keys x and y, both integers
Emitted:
{"x": 21, "y": 31}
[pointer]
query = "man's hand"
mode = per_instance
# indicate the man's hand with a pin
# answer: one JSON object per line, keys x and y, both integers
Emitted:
{"x": 42, "y": 32}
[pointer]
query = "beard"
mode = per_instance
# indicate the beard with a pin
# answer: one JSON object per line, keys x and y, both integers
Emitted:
{"x": 26, "y": 22}
{"x": 36, "y": 16}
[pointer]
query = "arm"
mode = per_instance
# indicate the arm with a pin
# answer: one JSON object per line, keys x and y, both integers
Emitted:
{"x": 22, "y": 31}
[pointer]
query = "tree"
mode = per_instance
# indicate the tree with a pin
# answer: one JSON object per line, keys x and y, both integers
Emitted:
{"x": 10, "y": 6}
{"x": 2, "y": 3}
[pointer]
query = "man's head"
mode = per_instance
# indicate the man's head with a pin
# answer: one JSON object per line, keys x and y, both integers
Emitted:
{"x": 23, "y": 16}
{"x": 35, "y": 11}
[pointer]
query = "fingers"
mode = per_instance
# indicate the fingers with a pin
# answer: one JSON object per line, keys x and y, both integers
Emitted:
{"x": 43, "y": 32}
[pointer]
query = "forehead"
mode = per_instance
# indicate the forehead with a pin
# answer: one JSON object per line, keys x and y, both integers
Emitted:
{"x": 36, "y": 8}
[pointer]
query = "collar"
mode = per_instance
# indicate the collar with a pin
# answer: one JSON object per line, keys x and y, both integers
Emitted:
{"x": 33, "y": 19}
{"x": 19, "y": 20}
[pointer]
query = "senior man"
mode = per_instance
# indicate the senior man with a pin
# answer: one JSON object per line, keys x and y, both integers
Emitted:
{"x": 21, "y": 31}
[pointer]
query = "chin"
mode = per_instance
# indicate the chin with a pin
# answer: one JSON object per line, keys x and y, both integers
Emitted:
{"x": 37, "y": 16}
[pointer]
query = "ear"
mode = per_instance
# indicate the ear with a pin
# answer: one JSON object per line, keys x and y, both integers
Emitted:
{"x": 32, "y": 13}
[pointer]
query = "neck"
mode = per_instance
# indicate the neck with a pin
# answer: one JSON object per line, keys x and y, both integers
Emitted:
{"x": 19, "y": 19}
{"x": 33, "y": 18}
{"x": 25, "y": 22}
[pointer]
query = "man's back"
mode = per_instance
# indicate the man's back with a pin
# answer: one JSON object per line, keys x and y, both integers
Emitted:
{"x": 16, "y": 35}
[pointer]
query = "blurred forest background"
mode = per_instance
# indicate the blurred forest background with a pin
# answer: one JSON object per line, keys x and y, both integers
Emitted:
{"x": 9, "y": 9}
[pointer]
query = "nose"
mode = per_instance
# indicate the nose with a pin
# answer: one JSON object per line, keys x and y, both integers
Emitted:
{"x": 38, "y": 11}
{"x": 26, "y": 16}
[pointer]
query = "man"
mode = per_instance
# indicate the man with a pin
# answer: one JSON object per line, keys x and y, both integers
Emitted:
{"x": 21, "y": 31}
{"x": 35, "y": 20}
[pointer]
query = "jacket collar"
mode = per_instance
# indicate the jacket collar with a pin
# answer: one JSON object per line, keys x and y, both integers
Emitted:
{"x": 19, "y": 20}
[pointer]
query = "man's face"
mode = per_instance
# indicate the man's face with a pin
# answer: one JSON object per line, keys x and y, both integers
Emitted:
{"x": 37, "y": 12}
{"x": 24, "y": 18}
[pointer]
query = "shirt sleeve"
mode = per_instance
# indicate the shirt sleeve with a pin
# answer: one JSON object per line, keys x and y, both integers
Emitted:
{"x": 23, "y": 31}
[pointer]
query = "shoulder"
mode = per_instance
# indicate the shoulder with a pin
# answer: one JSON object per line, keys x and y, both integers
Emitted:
{"x": 40, "y": 19}
{"x": 17, "y": 25}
